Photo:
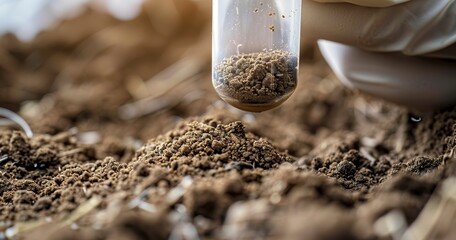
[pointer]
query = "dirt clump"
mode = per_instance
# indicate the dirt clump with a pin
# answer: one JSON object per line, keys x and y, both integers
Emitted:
{"x": 45, "y": 182}
{"x": 422, "y": 165}
{"x": 210, "y": 148}
{"x": 44, "y": 175}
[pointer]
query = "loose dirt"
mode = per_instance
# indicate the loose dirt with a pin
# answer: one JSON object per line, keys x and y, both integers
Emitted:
{"x": 328, "y": 164}
{"x": 256, "y": 78}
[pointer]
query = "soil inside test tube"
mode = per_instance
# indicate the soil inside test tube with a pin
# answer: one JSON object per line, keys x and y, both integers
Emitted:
{"x": 257, "y": 81}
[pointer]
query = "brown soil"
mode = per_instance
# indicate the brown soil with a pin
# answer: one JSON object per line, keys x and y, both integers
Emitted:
{"x": 328, "y": 164}
{"x": 256, "y": 78}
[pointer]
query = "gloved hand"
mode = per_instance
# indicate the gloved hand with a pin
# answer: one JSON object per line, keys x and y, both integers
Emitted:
{"x": 401, "y": 50}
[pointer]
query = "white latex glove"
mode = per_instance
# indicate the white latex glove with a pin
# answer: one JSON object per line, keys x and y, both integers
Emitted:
{"x": 403, "y": 51}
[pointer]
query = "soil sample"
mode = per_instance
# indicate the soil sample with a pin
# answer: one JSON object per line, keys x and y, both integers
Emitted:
{"x": 257, "y": 81}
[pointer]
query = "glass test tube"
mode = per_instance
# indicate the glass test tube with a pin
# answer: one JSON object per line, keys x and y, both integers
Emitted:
{"x": 255, "y": 51}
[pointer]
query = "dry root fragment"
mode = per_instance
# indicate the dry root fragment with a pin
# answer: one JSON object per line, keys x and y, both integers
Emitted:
{"x": 18, "y": 120}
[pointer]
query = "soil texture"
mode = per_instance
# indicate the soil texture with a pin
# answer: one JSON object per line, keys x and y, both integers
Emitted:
{"x": 132, "y": 142}
{"x": 257, "y": 78}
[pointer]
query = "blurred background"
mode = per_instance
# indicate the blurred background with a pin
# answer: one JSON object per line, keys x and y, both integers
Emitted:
{"x": 78, "y": 63}
{"x": 49, "y": 43}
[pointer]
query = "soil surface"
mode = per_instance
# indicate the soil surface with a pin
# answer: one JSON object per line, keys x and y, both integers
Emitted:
{"x": 118, "y": 156}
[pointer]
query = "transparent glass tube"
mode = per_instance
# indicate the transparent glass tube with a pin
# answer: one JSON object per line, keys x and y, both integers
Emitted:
{"x": 255, "y": 51}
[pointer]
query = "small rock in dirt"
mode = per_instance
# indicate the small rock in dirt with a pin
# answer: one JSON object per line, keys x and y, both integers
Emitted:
{"x": 346, "y": 169}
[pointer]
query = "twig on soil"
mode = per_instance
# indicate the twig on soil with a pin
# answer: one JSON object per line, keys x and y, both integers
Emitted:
{"x": 147, "y": 207}
{"x": 18, "y": 120}
{"x": 137, "y": 88}
{"x": 442, "y": 203}
{"x": 72, "y": 218}
{"x": 392, "y": 224}
{"x": 82, "y": 210}
{"x": 365, "y": 153}
{"x": 19, "y": 228}
{"x": 141, "y": 204}
{"x": 450, "y": 155}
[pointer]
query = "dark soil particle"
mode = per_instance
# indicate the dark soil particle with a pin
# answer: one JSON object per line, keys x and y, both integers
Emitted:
{"x": 345, "y": 169}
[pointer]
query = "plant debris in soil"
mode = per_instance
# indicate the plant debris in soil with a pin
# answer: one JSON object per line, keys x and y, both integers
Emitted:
{"x": 328, "y": 164}
{"x": 210, "y": 175}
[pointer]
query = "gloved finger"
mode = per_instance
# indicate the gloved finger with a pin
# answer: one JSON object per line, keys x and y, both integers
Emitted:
{"x": 416, "y": 27}
{"x": 417, "y": 82}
